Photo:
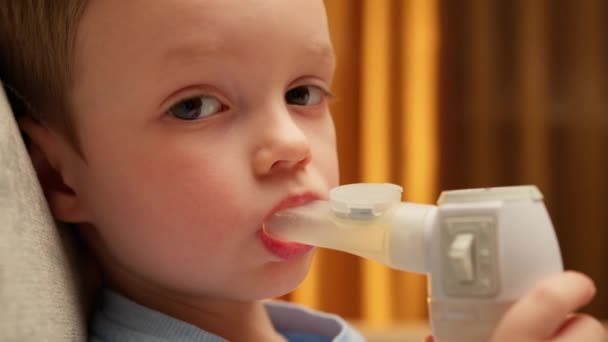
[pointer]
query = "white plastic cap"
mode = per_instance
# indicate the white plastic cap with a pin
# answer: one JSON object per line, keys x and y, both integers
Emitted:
{"x": 362, "y": 201}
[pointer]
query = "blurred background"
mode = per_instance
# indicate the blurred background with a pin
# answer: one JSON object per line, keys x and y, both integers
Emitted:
{"x": 440, "y": 94}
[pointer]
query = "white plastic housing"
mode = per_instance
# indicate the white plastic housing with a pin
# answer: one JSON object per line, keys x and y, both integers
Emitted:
{"x": 482, "y": 248}
{"x": 527, "y": 250}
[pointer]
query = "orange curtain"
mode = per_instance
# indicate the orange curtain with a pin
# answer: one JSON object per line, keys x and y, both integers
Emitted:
{"x": 386, "y": 120}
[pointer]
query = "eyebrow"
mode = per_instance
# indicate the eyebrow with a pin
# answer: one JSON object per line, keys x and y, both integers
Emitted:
{"x": 187, "y": 50}
{"x": 322, "y": 49}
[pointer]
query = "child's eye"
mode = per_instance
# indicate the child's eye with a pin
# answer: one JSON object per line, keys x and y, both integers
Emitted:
{"x": 305, "y": 95}
{"x": 196, "y": 108}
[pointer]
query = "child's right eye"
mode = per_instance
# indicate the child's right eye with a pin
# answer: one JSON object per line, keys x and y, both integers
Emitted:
{"x": 196, "y": 108}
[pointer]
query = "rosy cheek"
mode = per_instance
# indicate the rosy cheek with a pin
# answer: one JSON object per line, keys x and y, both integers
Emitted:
{"x": 168, "y": 193}
{"x": 202, "y": 196}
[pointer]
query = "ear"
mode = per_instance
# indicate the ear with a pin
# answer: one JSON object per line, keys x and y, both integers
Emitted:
{"x": 54, "y": 161}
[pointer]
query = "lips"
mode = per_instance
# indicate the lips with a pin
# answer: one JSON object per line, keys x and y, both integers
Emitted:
{"x": 283, "y": 249}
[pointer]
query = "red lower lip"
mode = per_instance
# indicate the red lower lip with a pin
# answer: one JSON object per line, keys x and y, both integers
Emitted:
{"x": 282, "y": 249}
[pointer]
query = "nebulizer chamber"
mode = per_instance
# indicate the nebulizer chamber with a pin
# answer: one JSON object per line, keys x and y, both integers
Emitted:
{"x": 481, "y": 248}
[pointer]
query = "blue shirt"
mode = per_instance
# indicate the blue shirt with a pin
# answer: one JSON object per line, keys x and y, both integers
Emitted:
{"x": 122, "y": 320}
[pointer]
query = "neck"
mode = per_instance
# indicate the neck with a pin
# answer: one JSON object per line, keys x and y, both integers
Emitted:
{"x": 231, "y": 319}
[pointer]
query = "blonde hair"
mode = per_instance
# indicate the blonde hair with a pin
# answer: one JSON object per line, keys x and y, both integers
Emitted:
{"x": 36, "y": 58}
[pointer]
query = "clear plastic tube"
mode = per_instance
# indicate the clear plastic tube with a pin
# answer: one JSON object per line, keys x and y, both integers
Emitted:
{"x": 315, "y": 224}
{"x": 395, "y": 238}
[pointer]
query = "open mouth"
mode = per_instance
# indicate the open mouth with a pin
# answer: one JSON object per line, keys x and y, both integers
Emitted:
{"x": 285, "y": 249}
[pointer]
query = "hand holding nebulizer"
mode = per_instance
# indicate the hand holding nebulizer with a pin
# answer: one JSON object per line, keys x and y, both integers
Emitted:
{"x": 482, "y": 248}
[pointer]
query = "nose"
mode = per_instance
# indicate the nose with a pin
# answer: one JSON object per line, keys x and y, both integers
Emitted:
{"x": 282, "y": 146}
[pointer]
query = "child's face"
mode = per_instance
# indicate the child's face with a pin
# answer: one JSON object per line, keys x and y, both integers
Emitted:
{"x": 179, "y": 204}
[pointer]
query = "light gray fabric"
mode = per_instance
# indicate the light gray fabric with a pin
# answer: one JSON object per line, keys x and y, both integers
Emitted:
{"x": 39, "y": 300}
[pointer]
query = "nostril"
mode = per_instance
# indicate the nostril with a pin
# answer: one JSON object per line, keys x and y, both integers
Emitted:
{"x": 290, "y": 164}
{"x": 282, "y": 153}
{"x": 282, "y": 164}
{"x": 277, "y": 164}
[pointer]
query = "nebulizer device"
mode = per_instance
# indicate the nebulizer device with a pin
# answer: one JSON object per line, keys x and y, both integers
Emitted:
{"x": 482, "y": 249}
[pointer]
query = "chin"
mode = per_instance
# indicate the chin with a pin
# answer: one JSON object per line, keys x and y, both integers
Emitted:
{"x": 280, "y": 278}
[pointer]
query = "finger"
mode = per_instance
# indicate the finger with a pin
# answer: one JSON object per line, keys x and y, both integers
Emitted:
{"x": 429, "y": 339}
{"x": 540, "y": 313}
{"x": 581, "y": 327}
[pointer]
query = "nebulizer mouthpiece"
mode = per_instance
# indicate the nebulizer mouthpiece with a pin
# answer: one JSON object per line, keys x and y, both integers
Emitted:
{"x": 367, "y": 220}
{"x": 481, "y": 248}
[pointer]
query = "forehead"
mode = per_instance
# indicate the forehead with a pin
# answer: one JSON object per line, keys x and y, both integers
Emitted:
{"x": 137, "y": 48}
{"x": 177, "y": 27}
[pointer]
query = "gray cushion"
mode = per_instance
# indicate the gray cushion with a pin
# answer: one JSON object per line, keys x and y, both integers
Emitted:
{"x": 39, "y": 297}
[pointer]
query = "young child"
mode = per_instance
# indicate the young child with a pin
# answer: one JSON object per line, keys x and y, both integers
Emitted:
{"x": 168, "y": 131}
